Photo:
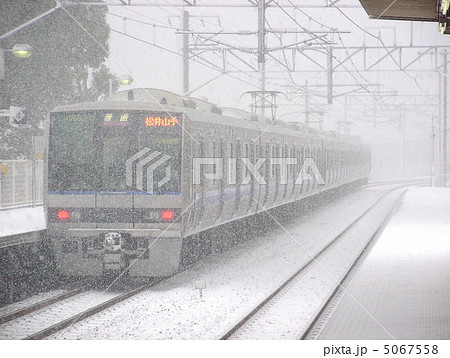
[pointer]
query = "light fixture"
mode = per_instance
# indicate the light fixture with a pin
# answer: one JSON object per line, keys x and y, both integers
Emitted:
{"x": 22, "y": 50}
{"x": 445, "y": 4}
{"x": 125, "y": 80}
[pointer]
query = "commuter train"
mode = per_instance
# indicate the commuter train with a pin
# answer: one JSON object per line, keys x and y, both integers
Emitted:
{"x": 133, "y": 180}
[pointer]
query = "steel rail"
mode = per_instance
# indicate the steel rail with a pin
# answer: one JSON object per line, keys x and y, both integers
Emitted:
{"x": 41, "y": 304}
{"x": 91, "y": 311}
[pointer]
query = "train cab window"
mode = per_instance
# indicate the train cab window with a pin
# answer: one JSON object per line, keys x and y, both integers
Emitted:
{"x": 113, "y": 151}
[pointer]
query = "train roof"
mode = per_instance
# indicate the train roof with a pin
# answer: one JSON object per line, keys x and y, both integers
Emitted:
{"x": 201, "y": 110}
{"x": 203, "y": 105}
{"x": 151, "y": 95}
{"x": 244, "y": 115}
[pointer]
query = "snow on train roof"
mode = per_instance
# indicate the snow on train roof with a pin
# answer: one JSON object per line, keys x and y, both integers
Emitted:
{"x": 244, "y": 115}
{"x": 152, "y": 97}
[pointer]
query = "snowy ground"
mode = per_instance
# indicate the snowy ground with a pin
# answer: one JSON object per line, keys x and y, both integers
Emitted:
{"x": 401, "y": 290}
{"x": 21, "y": 220}
{"x": 236, "y": 281}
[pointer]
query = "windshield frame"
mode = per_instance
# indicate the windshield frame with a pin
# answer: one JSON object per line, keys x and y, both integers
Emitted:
{"x": 136, "y": 129}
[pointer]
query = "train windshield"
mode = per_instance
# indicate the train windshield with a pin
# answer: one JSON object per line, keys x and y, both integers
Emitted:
{"x": 115, "y": 151}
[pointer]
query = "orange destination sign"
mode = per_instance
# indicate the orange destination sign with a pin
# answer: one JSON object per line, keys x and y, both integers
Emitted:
{"x": 160, "y": 121}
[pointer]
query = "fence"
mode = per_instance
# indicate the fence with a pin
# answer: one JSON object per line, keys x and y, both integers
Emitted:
{"x": 18, "y": 185}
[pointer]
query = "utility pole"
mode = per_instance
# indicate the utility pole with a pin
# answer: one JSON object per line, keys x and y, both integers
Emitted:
{"x": 344, "y": 125}
{"x": 432, "y": 156}
{"x": 306, "y": 105}
{"x": 402, "y": 146}
{"x": 262, "y": 50}
{"x": 330, "y": 75}
{"x": 185, "y": 52}
{"x": 444, "y": 121}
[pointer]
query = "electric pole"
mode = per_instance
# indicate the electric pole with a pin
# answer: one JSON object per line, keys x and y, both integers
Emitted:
{"x": 444, "y": 121}
{"x": 402, "y": 146}
{"x": 262, "y": 50}
{"x": 442, "y": 166}
{"x": 306, "y": 104}
{"x": 330, "y": 75}
{"x": 185, "y": 52}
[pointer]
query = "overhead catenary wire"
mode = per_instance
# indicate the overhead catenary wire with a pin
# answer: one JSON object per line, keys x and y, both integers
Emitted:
{"x": 282, "y": 59}
{"x": 178, "y": 54}
{"x": 192, "y": 57}
{"x": 348, "y": 55}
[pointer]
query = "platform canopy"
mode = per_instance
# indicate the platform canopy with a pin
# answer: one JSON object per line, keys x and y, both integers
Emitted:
{"x": 410, "y": 10}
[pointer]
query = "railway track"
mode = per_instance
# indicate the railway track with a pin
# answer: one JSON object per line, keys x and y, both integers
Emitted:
{"x": 50, "y": 316}
{"x": 262, "y": 313}
{"x": 41, "y": 304}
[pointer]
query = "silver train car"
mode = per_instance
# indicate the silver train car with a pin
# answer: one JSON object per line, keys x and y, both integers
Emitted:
{"x": 133, "y": 179}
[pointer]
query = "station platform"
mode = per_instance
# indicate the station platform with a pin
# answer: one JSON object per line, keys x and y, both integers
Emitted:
{"x": 20, "y": 225}
{"x": 402, "y": 289}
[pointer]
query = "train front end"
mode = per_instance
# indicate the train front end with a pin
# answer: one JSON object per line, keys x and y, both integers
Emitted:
{"x": 114, "y": 190}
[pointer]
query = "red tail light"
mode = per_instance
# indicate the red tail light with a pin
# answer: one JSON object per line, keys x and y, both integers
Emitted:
{"x": 167, "y": 215}
{"x": 63, "y": 215}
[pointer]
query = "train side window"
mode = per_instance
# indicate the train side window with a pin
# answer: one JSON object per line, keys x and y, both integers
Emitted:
{"x": 262, "y": 155}
{"x": 289, "y": 155}
{"x": 272, "y": 167}
{"x": 238, "y": 154}
{"x": 229, "y": 154}
{"x": 246, "y": 155}
{"x": 201, "y": 154}
{"x": 267, "y": 165}
{"x": 214, "y": 149}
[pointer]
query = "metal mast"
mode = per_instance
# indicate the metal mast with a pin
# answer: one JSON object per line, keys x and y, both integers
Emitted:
{"x": 262, "y": 50}
{"x": 443, "y": 90}
{"x": 185, "y": 52}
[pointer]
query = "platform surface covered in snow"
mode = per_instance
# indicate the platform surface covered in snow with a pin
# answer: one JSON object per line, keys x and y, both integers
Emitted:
{"x": 21, "y": 220}
{"x": 401, "y": 290}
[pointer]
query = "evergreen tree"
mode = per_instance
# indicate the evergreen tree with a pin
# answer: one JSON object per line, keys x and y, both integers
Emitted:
{"x": 67, "y": 65}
